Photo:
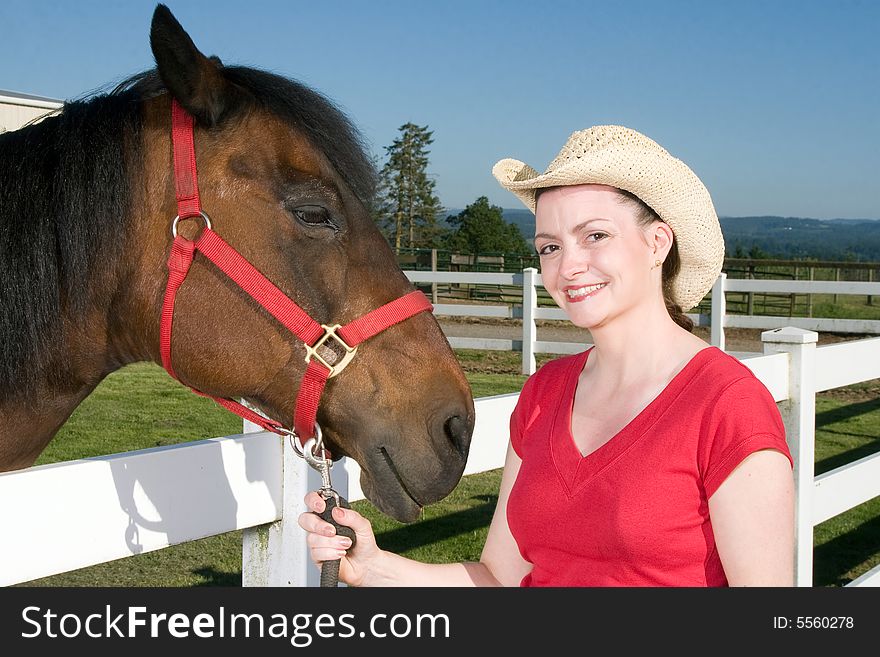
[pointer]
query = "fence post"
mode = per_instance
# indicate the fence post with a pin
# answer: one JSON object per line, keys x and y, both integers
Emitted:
{"x": 799, "y": 414}
{"x": 276, "y": 554}
{"x": 750, "y": 307}
{"x": 810, "y": 296}
{"x": 530, "y": 329}
{"x": 718, "y": 312}
{"x": 434, "y": 268}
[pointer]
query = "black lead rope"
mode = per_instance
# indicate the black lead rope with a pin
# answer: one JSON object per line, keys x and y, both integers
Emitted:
{"x": 330, "y": 569}
{"x": 317, "y": 458}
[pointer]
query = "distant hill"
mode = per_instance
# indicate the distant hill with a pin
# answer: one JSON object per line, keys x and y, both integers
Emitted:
{"x": 794, "y": 237}
{"x": 783, "y": 237}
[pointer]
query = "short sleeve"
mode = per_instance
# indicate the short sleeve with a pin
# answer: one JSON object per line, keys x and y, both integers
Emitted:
{"x": 519, "y": 418}
{"x": 744, "y": 419}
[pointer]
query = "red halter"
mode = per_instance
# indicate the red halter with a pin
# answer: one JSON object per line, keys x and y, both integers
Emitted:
{"x": 321, "y": 366}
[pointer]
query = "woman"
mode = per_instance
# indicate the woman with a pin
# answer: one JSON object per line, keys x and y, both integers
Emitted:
{"x": 651, "y": 459}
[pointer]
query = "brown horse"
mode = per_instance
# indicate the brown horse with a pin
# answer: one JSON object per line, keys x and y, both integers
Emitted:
{"x": 86, "y": 203}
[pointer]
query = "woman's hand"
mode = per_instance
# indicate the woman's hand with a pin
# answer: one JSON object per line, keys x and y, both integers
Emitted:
{"x": 358, "y": 564}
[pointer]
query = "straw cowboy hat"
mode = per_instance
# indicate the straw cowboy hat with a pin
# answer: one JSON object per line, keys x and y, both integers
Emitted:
{"x": 623, "y": 158}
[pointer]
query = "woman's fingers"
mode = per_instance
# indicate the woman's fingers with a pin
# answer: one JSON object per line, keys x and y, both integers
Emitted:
{"x": 353, "y": 519}
{"x": 328, "y": 542}
{"x": 315, "y": 502}
{"x": 324, "y": 544}
{"x": 325, "y": 548}
{"x": 315, "y": 525}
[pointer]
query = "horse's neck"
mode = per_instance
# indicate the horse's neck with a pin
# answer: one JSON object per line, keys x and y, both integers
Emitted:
{"x": 80, "y": 360}
{"x": 117, "y": 322}
{"x": 27, "y": 426}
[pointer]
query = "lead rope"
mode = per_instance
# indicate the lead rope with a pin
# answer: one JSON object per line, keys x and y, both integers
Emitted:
{"x": 310, "y": 452}
{"x": 330, "y": 569}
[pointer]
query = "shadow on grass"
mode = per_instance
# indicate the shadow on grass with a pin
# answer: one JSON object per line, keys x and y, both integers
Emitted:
{"x": 430, "y": 531}
{"x": 843, "y": 413}
{"x": 839, "y": 460}
{"x": 214, "y": 577}
{"x": 832, "y": 560}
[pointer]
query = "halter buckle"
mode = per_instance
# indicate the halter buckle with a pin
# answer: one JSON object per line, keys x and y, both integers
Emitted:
{"x": 346, "y": 356}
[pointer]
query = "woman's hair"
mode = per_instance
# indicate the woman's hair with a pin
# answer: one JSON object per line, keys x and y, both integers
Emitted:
{"x": 645, "y": 216}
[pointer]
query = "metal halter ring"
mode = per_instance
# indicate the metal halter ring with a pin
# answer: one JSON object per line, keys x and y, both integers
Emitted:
{"x": 309, "y": 451}
{"x": 205, "y": 218}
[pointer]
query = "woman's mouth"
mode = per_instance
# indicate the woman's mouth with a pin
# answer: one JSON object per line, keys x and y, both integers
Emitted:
{"x": 576, "y": 294}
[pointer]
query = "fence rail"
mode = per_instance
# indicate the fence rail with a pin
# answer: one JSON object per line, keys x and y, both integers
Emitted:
{"x": 529, "y": 310}
{"x": 68, "y": 515}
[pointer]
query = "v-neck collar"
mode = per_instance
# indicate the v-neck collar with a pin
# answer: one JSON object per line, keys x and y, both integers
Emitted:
{"x": 576, "y": 470}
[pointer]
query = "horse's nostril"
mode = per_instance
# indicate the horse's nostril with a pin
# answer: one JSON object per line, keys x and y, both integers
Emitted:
{"x": 458, "y": 432}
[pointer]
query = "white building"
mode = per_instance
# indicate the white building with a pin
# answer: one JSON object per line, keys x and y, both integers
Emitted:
{"x": 18, "y": 109}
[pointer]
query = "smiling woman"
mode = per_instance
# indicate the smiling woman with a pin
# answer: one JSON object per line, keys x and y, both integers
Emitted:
{"x": 652, "y": 459}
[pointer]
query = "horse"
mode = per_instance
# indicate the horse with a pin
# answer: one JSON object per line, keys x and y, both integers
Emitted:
{"x": 87, "y": 198}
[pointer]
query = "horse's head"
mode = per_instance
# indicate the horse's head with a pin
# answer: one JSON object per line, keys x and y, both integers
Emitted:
{"x": 287, "y": 184}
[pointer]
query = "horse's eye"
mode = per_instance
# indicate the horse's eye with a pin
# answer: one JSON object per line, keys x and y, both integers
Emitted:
{"x": 314, "y": 215}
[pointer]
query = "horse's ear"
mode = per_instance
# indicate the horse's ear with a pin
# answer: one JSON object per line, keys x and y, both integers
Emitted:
{"x": 196, "y": 81}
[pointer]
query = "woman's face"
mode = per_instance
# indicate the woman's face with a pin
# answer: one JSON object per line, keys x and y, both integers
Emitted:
{"x": 596, "y": 262}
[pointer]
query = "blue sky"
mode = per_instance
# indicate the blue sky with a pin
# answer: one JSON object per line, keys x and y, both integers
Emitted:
{"x": 775, "y": 104}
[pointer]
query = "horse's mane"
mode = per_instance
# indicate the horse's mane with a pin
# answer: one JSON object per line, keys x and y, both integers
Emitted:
{"x": 65, "y": 195}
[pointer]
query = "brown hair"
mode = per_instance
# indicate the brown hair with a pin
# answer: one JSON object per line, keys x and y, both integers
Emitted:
{"x": 645, "y": 216}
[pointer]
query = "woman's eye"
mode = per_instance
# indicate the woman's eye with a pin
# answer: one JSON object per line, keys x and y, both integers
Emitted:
{"x": 547, "y": 249}
{"x": 597, "y": 237}
{"x": 314, "y": 215}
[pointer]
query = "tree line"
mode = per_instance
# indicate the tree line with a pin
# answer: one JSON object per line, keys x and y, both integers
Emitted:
{"x": 411, "y": 216}
{"x": 408, "y": 211}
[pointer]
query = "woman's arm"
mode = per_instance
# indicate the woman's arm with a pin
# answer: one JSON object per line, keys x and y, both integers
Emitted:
{"x": 367, "y": 565}
{"x": 752, "y": 515}
{"x": 501, "y": 554}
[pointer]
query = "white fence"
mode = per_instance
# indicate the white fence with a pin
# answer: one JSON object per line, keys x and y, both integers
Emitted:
{"x": 717, "y": 319}
{"x": 65, "y": 516}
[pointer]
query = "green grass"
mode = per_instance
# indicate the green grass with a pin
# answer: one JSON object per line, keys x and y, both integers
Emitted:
{"x": 137, "y": 407}
{"x": 140, "y": 407}
{"x": 848, "y": 545}
{"x": 847, "y": 307}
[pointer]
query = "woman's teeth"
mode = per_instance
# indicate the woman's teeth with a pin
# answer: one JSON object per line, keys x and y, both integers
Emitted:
{"x": 582, "y": 291}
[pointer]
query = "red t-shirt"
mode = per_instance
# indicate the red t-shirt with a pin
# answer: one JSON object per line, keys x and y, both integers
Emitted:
{"x": 635, "y": 511}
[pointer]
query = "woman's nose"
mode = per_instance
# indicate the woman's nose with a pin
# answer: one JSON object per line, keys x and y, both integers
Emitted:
{"x": 574, "y": 264}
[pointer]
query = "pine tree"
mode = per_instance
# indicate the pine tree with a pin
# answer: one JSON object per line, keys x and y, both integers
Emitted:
{"x": 408, "y": 208}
